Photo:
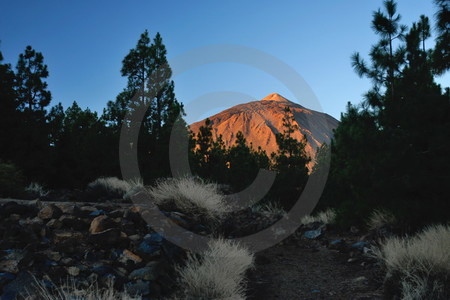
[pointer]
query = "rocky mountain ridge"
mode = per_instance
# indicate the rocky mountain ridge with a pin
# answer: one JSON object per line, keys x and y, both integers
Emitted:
{"x": 261, "y": 120}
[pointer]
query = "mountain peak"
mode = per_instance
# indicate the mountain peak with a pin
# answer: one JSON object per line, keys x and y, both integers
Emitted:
{"x": 275, "y": 97}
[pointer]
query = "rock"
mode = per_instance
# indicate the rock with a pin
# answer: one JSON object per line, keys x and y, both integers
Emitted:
{"x": 101, "y": 223}
{"x": 85, "y": 211}
{"x": 127, "y": 255}
{"x": 67, "y": 209}
{"x": 31, "y": 221}
{"x": 135, "y": 237}
{"x": 54, "y": 224}
{"x": 179, "y": 219}
{"x": 60, "y": 236}
{"x": 339, "y": 245}
{"x": 129, "y": 227}
{"x": 108, "y": 237}
{"x": 50, "y": 212}
{"x": 139, "y": 288}
{"x": 73, "y": 271}
{"x": 75, "y": 223}
{"x": 148, "y": 249}
{"x": 102, "y": 269}
{"x": 97, "y": 213}
{"x": 116, "y": 214}
{"x": 12, "y": 207}
{"x": 67, "y": 261}
{"x": 149, "y": 273}
{"x": 53, "y": 255}
{"x": 22, "y": 284}
{"x": 360, "y": 280}
{"x": 14, "y": 217}
{"x": 9, "y": 266}
{"x": 36, "y": 203}
{"x": 93, "y": 278}
{"x": 354, "y": 230}
{"x": 121, "y": 272}
{"x": 133, "y": 215}
{"x": 312, "y": 234}
{"x": 6, "y": 277}
{"x": 360, "y": 245}
{"x": 153, "y": 238}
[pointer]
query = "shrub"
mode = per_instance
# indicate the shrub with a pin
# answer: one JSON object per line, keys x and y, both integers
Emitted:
{"x": 418, "y": 267}
{"x": 73, "y": 291}
{"x": 380, "y": 218}
{"x": 36, "y": 190}
{"x": 268, "y": 210}
{"x": 11, "y": 180}
{"x": 218, "y": 273}
{"x": 326, "y": 217}
{"x": 113, "y": 188}
{"x": 191, "y": 196}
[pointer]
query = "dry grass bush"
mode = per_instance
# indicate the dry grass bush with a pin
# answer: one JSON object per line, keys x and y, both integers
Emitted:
{"x": 268, "y": 210}
{"x": 73, "y": 291}
{"x": 36, "y": 189}
{"x": 325, "y": 217}
{"x": 191, "y": 196}
{"x": 418, "y": 267}
{"x": 380, "y": 218}
{"x": 218, "y": 273}
{"x": 114, "y": 188}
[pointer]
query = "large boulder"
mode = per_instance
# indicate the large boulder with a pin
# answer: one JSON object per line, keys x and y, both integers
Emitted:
{"x": 50, "y": 212}
{"x": 101, "y": 223}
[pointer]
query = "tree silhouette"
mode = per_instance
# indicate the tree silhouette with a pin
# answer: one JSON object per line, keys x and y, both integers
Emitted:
{"x": 442, "y": 50}
{"x": 386, "y": 61}
{"x": 290, "y": 162}
{"x": 9, "y": 119}
{"x": 389, "y": 151}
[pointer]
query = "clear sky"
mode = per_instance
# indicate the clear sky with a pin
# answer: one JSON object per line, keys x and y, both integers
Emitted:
{"x": 84, "y": 42}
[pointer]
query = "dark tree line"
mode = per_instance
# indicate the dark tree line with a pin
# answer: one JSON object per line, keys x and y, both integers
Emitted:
{"x": 70, "y": 147}
{"x": 392, "y": 150}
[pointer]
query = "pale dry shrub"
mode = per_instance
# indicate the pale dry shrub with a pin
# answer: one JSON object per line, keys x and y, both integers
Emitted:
{"x": 36, "y": 189}
{"x": 218, "y": 273}
{"x": 192, "y": 196}
{"x": 73, "y": 291}
{"x": 326, "y": 217}
{"x": 419, "y": 265}
{"x": 380, "y": 218}
{"x": 113, "y": 187}
{"x": 269, "y": 209}
{"x": 136, "y": 186}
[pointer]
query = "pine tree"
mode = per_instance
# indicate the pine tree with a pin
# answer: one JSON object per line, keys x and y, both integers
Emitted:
{"x": 9, "y": 120}
{"x": 33, "y": 97}
{"x": 386, "y": 60}
{"x": 390, "y": 151}
{"x": 31, "y": 88}
{"x": 290, "y": 162}
{"x": 441, "y": 53}
{"x": 151, "y": 92}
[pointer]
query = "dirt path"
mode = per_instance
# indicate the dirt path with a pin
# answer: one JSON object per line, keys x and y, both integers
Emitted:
{"x": 305, "y": 269}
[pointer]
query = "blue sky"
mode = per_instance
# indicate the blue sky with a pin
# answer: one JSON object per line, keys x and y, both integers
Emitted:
{"x": 84, "y": 42}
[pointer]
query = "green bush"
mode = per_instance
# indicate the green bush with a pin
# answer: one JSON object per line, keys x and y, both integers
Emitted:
{"x": 11, "y": 180}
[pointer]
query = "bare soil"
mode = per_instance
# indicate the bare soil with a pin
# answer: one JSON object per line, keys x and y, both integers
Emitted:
{"x": 308, "y": 269}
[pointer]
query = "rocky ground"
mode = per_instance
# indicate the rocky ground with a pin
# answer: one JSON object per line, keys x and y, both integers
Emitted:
{"x": 333, "y": 265}
{"x": 91, "y": 243}
{"x": 94, "y": 242}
